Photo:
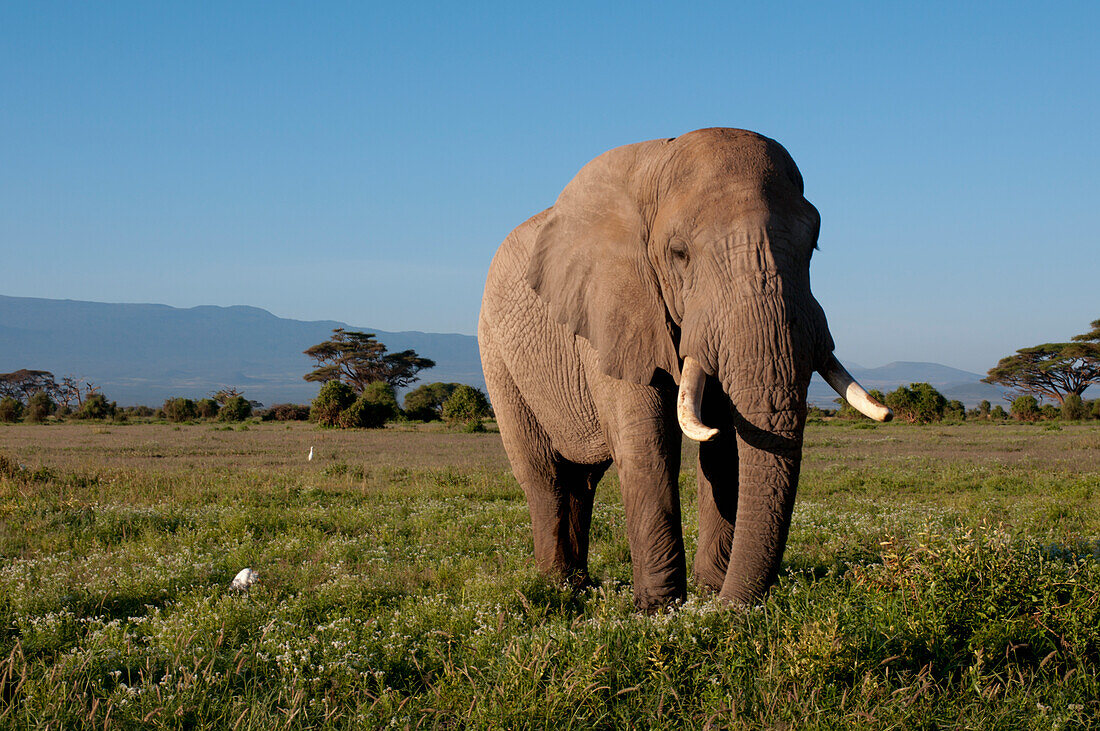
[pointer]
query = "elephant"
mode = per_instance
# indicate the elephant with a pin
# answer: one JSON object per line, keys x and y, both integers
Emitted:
{"x": 667, "y": 290}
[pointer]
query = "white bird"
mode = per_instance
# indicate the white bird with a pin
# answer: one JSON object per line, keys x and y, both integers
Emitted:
{"x": 310, "y": 457}
{"x": 245, "y": 578}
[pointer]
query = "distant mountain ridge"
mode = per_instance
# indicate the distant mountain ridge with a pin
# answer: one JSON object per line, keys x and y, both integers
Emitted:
{"x": 953, "y": 383}
{"x": 145, "y": 353}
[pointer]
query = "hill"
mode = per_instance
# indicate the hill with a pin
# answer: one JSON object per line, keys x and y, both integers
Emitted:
{"x": 145, "y": 353}
{"x": 953, "y": 383}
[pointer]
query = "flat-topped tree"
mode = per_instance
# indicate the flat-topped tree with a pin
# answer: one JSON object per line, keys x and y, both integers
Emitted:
{"x": 1093, "y": 336}
{"x": 24, "y": 383}
{"x": 1053, "y": 370}
{"x": 357, "y": 359}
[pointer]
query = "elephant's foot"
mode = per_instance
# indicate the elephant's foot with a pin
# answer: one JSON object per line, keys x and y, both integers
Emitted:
{"x": 576, "y": 577}
{"x": 711, "y": 560}
{"x": 708, "y": 579}
{"x": 652, "y": 601}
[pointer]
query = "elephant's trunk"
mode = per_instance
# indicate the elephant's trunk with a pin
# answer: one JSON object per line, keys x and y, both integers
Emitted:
{"x": 765, "y": 372}
{"x": 769, "y": 457}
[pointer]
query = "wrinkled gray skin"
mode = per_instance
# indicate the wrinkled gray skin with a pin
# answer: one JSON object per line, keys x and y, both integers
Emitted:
{"x": 697, "y": 246}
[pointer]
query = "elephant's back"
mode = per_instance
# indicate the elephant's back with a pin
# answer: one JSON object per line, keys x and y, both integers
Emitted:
{"x": 544, "y": 360}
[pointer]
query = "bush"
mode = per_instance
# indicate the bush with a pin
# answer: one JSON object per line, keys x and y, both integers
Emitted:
{"x": 179, "y": 409}
{"x": 140, "y": 411}
{"x": 334, "y": 397}
{"x": 1073, "y": 408}
{"x": 846, "y": 411}
{"x": 235, "y": 408}
{"x": 286, "y": 412}
{"x": 39, "y": 406}
{"x": 374, "y": 407}
{"x": 1094, "y": 408}
{"x": 207, "y": 408}
{"x": 425, "y": 403}
{"x": 998, "y": 412}
{"x": 11, "y": 410}
{"x": 955, "y": 410}
{"x": 96, "y": 406}
{"x": 919, "y": 402}
{"x": 984, "y": 409}
{"x": 1025, "y": 408}
{"x": 466, "y": 406}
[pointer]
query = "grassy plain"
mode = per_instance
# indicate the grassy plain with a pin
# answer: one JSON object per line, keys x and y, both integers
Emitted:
{"x": 945, "y": 576}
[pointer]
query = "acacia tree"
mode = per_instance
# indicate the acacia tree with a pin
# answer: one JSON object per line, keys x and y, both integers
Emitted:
{"x": 1053, "y": 370}
{"x": 24, "y": 383}
{"x": 357, "y": 359}
{"x": 71, "y": 394}
{"x": 1092, "y": 336}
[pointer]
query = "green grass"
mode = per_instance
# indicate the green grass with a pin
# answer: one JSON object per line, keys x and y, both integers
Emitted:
{"x": 936, "y": 577}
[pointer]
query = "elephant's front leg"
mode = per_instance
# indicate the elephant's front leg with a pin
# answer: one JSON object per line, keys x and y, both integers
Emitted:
{"x": 645, "y": 443}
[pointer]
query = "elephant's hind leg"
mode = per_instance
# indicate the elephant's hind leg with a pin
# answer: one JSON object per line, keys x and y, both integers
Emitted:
{"x": 559, "y": 492}
{"x": 562, "y": 519}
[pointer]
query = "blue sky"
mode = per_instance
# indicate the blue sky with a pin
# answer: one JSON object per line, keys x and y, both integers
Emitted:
{"x": 361, "y": 162}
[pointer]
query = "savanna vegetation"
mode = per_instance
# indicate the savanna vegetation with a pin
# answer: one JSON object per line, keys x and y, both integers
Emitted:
{"x": 1052, "y": 370}
{"x": 944, "y": 576}
{"x": 921, "y": 403}
{"x": 360, "y": 380}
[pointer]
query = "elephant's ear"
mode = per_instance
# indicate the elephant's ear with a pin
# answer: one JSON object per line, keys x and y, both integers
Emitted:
{"x": 589, "y": 264}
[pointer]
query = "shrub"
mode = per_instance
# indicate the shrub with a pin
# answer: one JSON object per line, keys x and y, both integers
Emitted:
{"x": 466, "y": 406}
{"x": 425, "y": 403}
{"x": 96, "y": 406}
{"x": 1094, "y": 408}
{"x": 235, "y": 408}
{"x": 140, "y": 411}
{"x": 286, "y": 412}
{"x": 334, "y": 397}
{"x": 954, "y": 410}
{"x": 1025, "y": 408}
{"x": 1073, "y": 408}
{"x": 374, "y": 407}
{"x": 998, "y": 412}
{"x": 179, "y": 409}
{"x": 207, "y": 408}
{"x": 11, "y": 410}
{"x": 361, "y": 415}
{"x": 39, "y": 406}
{"x": 919, "y": 402}
{"x": 984, "y": 409}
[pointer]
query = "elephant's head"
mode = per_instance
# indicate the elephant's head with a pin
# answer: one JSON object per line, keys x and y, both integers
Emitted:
{"x": 692, "y": 256}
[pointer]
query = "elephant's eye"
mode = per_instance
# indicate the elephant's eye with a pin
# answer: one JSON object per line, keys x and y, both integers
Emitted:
{"x": 679, "y": 251}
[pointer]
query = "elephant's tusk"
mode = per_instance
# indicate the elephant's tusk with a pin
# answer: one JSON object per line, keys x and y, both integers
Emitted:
{"x": 842, "y": 382}
{"x": 689, "y": 402}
